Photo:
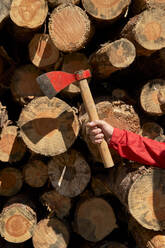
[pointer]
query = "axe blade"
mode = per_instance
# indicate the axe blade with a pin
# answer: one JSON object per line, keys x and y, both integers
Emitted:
{"x": 51, "y": 83}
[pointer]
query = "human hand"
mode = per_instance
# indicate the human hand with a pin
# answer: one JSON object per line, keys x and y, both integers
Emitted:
{"x": 98, "y": 130}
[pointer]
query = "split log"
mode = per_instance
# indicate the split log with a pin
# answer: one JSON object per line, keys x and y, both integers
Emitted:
{"x": 146, "y": 31}
{"x": 106, "y": 10}
{"x": 146, "y": 238}
{"x": 55, "y": 3}
{"x": 35, "y": 173}
{"x": 112, "y": 57}
{"x": 48, "y": 127}
{"x": 11, "y": 181}
{"x": 24, "y": 86}
{"x": 116, "y": 113}
{"x": 71, "y": 63}
{"x": 28, "y": 13}
{"x": 141, "y": 191}
{"x": 113, "y": 245}
{"x": 12, "y": 148}
{"x": 140, "y": 5}
{"x": 50, "y": 233}
{"x": 4, "y": 11}
{"x": 42, "y": 51}
{"x": 94, "y": 219}
{"x": 152, "y": 97}
{"x": 151, "y": 130}
{"x": 17, "y": 219}
{"x": 74, "y": 25}
{"x": 56, "y": 203}
{"x": 69, "y": 173}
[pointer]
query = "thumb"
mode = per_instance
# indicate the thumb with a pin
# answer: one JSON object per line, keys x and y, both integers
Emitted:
{"x": 98, "y": 123}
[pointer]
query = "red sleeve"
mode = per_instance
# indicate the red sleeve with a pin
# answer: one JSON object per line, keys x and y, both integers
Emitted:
{"x": 137, "y": 148}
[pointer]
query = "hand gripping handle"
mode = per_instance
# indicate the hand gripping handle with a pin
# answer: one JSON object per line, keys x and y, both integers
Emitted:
{"x": 92, "y": 112}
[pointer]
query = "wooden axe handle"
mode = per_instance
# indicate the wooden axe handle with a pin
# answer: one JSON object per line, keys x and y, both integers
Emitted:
{"x": 92, "y": 112}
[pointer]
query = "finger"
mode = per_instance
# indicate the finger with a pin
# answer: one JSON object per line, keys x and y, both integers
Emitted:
{"x": 97, "y": 136}
{"x": 95, "y": 131}
{"x": 98, "y": 141}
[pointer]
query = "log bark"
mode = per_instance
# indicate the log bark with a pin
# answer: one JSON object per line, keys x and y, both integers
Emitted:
{"x": 69, "y": 173}
{"x": 12, "y": 149}
{"x": 140, "y": 5}
{"x": 116, "y": 113}
{"x": 94, "y": 219}
{"x": 3, "y": 116}
{"x": 4, "y": 11}
{"x": 11, "y": 181}
{"x": 55, "y": 3}
{"x": 35, "y": 173}
{"x": 28, "y": 13}
{"x": 152, "y": 97}
{"x": 146, "y": 238}
{"x": 74, "y": 25}
{"x": 151, "y": 130}
{"x": 48, "y": 127}
{"x": 42, "y": 51}
{"x": 140, "y": 190}
{"x": 112, "y": 57}
{"x": 146, "y": 31}
{"x": 56, "y": 203}
{"x": 105, "y": 10}
{"x": 99, "y": 185}
{"x": 18, "y": 219}
{"x": 72, "y": 63}
{"x": 24, "y": 86}
{"x": 49, "y": 233}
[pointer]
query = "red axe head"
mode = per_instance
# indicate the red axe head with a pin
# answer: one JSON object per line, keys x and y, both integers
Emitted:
{"x": 53, "y": 82}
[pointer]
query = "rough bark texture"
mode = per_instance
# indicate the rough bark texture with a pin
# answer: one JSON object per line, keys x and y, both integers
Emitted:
{"x": 55, "y": 3}
{"x": 74, "y": 25}
{"x": 28, "y": 13}
{"x": 50, "y": 233}
{"x": 69, "y": 173}
{"x": 94, "y": 219}
{"x": 42, "y": 51}
{"x": 140, "y": 5}
{"x": 105, "y": 10}
{"x": 116, "y": 113}
{"x": 4, "y": 10}
{"x": 56, "y": 203}
{"x": 48, "y": 127}
{"x": 112, "y": 57}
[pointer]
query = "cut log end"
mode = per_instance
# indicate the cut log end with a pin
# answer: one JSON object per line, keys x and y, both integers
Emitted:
{"x": 94, "y": 219}
{"x": 35, "y": 173}
{"x": 105, "y": 10}
{"x": 10, "y": 181}
{"x": 28, "y": 13}
{"x": 148, "y": 206}
{"x": 150, "y": 29}
{"x": 151, "y": 130}
{"x": 50, "y": 233}
{"x": 69, "y": 173}
{"x": 19, "y": 221}
{"x": 152, "y": 96}
{"x": 48, "y": 127}
{"x": 69, "y": 28}
{"x": 42, "y": 51}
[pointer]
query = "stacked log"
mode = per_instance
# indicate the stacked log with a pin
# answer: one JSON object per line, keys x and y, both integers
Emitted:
{"x": 54, "y": 189}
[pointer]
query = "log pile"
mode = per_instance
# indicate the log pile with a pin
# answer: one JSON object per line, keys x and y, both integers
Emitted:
{"x": 54, "y": 189}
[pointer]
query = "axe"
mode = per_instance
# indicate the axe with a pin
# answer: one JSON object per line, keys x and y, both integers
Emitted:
{"x": 53, "y": 82}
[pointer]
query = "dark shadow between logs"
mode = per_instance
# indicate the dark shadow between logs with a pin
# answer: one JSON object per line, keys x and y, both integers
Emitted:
{"x": 37, "y": 129}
